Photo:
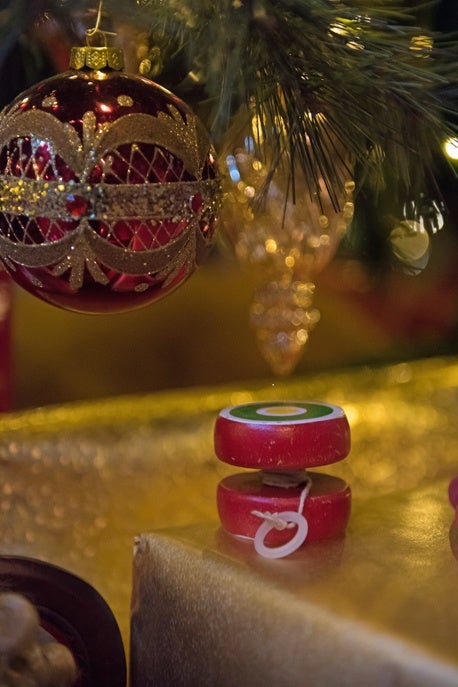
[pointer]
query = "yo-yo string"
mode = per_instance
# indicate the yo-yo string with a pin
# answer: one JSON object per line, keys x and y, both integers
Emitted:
{"x": 285, "y": 480}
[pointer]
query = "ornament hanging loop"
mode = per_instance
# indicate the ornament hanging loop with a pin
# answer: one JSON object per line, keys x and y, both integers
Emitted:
{"x": 96, "y": 55}
{"x": 95, "y": 37}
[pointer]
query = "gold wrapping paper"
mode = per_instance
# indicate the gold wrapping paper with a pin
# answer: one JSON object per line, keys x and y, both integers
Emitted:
{"x": 78, "y": 482}
{"x": 378, "y": 607}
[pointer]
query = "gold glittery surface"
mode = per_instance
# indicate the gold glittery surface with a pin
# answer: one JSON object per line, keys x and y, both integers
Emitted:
{"x": 125, "y": 100}
{"x": 78, "y": 482}
{"x": 148, "y": 207}
{"x": 377, "y": 607}
{"x": 187, "y": 140}
{"x": 107, "y": 202}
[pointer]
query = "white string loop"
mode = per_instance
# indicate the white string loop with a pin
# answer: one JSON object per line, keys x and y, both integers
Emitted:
{"x": 273, "y": 519}
{"x": 281, "y": 521}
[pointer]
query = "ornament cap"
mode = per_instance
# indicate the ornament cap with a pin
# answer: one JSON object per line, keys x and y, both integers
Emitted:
{"x": 90, "y": 57}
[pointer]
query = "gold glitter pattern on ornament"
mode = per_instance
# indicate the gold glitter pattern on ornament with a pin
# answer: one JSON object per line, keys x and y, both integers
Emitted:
{"x": 62, "y": 139}
{"x": 107, "y": 202}
{"x": 49, "y": 101}
{"x": 125, "y": 100}
{"x": 83, "y": 247}
{"x": 146, "y": 209}
{"x": 77, "y": 261}
{"x": 185, "y": 139}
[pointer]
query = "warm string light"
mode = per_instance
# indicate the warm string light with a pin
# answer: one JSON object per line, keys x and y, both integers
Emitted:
{"x": 451, "y": 148}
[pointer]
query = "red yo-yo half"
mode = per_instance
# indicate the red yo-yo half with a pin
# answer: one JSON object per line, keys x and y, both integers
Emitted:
{"x": 281, "y": 505}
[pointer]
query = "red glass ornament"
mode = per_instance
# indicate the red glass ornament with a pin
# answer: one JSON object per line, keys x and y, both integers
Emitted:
{"x": 109, "y": 191}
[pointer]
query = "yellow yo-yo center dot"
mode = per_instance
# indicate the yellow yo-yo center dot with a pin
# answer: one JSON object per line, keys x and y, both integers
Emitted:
{"x": 282, "y": 410}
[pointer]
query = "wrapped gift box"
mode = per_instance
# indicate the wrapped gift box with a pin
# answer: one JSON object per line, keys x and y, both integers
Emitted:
{"x": 378, "y": 607}
{"x": 79, "y": 481}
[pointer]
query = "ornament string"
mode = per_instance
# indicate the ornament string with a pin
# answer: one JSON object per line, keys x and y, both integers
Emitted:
{"x": 96, "y": 30}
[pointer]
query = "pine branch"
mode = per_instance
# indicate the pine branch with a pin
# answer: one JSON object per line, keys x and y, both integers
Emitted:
{"x": 379, "y": 82}
{"x": 364, "y": 67}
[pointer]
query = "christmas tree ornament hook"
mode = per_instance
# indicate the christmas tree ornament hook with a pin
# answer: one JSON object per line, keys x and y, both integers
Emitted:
{"x": 96, "y": 28}
{"x": 96, "y": 32}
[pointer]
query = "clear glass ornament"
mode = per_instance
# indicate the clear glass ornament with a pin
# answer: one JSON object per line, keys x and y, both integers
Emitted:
{"x": 410, "y": 235}
{"x": 284, "y": 227}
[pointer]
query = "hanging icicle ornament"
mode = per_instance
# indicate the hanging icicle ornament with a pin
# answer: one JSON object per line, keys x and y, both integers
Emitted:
{"x": 284, "y": 237}
{"x": 109, "y": 188}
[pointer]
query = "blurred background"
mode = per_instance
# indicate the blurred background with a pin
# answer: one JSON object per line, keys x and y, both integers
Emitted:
{"x": 374, "y": 308}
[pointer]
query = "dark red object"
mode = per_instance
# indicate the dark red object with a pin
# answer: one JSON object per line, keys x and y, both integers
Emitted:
{"x": 74, "y": 614}
{"x": 326, "y": 508}
{"x": 453, "y": 492}
{"x": 281, "y": 438}
{"x": 273, "y": 445}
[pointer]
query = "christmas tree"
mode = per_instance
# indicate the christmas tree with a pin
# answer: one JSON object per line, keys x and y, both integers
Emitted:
{"x": 338, "y": 97}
